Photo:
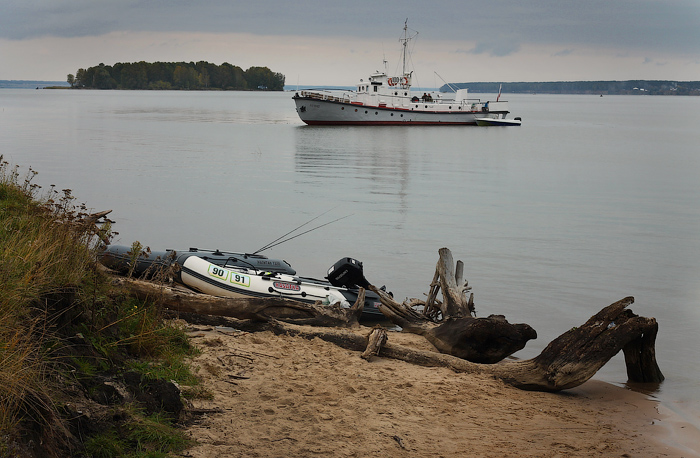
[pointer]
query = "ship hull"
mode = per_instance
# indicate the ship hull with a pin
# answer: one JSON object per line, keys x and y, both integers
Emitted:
{"x": 315, "y": 112}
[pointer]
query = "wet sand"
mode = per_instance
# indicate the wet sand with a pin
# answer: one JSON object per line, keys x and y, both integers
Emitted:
{"x": 281, "y": 396}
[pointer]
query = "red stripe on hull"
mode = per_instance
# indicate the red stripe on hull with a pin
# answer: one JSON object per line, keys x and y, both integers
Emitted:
{"x": 387, "y": 123}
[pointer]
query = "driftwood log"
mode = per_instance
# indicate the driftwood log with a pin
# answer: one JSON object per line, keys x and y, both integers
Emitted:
{"x": 182, "y": 299}
{"x": 567, "y": 362}
{"x": 375, "y": 341}
{"x": 449, "y": 325}
{"x": 450, "y": 278}
{"x": 479, "y": 340}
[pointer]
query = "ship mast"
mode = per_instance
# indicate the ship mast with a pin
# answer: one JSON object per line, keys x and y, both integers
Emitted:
{"x": 405, "y": 43}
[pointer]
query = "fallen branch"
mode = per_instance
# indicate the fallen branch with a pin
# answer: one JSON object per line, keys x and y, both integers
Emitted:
{"x": 261, "y": 309}
{"x": 375, "y": 341}
{"x": 479, "y": 340}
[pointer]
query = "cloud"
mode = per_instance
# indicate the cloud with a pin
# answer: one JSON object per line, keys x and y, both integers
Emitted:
{"x": 494, "y": 46}
{"x": 497, "y": 48}
{"x": 505, "y": 34}
{"x": 563, "y": 53}
{"x": 661, "y": 25}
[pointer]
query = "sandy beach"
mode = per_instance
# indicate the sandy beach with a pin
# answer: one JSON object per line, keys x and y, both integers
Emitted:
{"x": 281, "y": 396}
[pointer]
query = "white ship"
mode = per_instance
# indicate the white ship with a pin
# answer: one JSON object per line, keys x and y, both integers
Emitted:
{"x": 388, "y": 100}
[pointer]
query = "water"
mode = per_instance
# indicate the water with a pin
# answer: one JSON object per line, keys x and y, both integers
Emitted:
{"x": 592, "y": 199}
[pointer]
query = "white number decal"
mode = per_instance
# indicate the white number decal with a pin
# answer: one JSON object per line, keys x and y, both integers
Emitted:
{"x": 223, "y": 274}
{"x": 240, "y": 279}
{"x": 218, "y": 272}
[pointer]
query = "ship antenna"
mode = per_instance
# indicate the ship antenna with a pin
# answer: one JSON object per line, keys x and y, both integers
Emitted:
{"x": 454, "y": 89}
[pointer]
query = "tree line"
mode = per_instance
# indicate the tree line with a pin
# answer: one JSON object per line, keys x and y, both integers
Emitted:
{"x": 176, "y": 75}
{"x": 648, "y": 87}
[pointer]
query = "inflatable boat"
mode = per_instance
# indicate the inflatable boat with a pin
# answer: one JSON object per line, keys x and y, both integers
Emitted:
{"x": 229, "y": 274}
{"x": 342, "y": 284}
{"x": 119, "y": 258}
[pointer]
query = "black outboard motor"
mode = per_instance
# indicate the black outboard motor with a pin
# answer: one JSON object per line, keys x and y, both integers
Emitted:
{"x": 347, "y": 273}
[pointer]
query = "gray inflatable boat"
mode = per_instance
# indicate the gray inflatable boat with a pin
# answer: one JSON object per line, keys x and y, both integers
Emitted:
{"x": 148, "y": 263}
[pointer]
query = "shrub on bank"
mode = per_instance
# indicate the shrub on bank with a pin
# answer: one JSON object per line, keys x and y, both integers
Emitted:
{"x": 67, "y": 337}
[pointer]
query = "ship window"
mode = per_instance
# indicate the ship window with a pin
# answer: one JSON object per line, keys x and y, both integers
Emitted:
{"x": 365, "y": 111}
{"x": 392, "y": 114}
{"x": 375, "y": 88}
{"x": 376, "y": 112}
{"x": 355, "y": 110}
{"x": 402, "y": 116}
{"x": 396, "y": 93}
{"x": 405, "y": 93}
{"x": 342, "y": 108}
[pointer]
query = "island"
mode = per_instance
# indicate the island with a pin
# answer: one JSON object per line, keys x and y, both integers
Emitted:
{"x": 176, "y": 75}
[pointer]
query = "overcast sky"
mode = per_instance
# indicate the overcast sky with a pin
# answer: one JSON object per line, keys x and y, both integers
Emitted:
{"x": 328, "y": 42}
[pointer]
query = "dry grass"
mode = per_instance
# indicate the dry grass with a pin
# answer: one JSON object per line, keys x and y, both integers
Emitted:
{"x": 45, "y": 252}
{"x": 50, "y": 286}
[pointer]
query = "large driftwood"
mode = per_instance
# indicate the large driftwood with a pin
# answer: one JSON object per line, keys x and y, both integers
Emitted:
{"x": 261, "y": 309}
{"x": 567, "y": 362}
{"x": 456, "y": 304}
{"x": 449, "y": 324}
{"x": 579, "y": 353}
{"x": 479, "y": 340}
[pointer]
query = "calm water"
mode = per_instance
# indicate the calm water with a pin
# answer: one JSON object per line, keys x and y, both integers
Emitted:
{"x": 592, "y": 199}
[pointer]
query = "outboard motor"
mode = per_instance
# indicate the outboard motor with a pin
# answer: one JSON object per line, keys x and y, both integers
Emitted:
{"x": 347, "y": 273}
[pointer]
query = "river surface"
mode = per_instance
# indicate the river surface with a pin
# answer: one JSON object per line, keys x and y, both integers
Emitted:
{"x": 591, "y": 200}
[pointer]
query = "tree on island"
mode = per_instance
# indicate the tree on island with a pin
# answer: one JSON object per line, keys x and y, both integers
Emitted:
{"x": 177, "y": 75}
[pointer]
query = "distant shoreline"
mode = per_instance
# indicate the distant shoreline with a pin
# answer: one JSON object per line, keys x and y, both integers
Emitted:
{"x": 631, "y": 87}
{"x": 32, "y": 84}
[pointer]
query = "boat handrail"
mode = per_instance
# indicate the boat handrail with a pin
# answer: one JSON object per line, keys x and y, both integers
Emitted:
{"x": 326, "y": 95}
{"x": 475, "y": 104}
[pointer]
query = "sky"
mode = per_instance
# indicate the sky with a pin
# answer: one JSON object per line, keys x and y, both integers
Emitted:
{"x": 335, "y": 43}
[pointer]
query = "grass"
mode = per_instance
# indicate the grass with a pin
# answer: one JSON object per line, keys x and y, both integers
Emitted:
{"x": 143, "y": 437}
{"x": 53, "y": 290}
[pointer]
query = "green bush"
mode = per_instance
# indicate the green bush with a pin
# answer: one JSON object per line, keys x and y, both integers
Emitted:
{"x": 53, "y": 291}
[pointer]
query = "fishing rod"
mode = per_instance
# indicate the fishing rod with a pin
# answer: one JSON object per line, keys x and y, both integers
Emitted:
{"x": 278, "y": 242}
{"x": 298, "y": 235}
{"x": 265, "y": 247}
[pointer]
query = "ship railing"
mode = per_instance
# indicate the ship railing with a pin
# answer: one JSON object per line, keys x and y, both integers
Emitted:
{"x": 464, "y": 105}
{"x": 474, "y": 104}
{"x": 322, "y": 95}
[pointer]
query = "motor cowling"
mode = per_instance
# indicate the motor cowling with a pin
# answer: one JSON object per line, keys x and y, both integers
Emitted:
{"x": 347, "y": 273}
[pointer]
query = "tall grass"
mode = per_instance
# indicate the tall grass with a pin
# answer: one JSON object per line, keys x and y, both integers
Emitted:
{"x": 45, "y": 252}
{"x": 48, "y": 270}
